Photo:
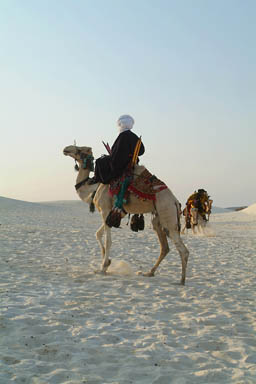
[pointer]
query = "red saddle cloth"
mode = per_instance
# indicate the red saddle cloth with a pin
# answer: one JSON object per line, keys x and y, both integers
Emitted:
{"x": 145, "y": 186}
{"x": 116, "y": 184}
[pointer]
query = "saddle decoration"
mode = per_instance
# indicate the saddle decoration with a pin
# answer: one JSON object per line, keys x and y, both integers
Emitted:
{"x": 120, "y": 199}
{"x": 118, "y": 190}
{"x": 144, "y": 187}
{"x": 88, "y": 162}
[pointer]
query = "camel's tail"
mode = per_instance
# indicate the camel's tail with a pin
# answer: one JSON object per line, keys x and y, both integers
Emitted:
{"x": 178, "y": 208}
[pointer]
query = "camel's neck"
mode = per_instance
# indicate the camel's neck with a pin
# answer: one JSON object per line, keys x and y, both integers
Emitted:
{"x": 85, "y": 191}
{"x": 82, "y": 174}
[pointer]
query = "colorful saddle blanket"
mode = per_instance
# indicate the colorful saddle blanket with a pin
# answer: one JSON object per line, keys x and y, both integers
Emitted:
{"x": 145, "y": 186}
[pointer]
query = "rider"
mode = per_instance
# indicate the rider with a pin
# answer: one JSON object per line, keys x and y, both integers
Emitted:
{"x": 109, "y": 167}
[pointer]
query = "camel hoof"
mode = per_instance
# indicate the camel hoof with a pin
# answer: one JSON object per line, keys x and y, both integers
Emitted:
{"x": 146, "y": 274}
{"x": 99, "y": 272}
{"x": 103, "y": 271}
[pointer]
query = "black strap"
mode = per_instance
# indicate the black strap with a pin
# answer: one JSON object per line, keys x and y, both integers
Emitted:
{"x": 78, "y": 185}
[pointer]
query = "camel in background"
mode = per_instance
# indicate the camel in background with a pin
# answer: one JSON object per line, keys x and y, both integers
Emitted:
{"x": 165, "y": 211}
{"x": 195, "y": 220}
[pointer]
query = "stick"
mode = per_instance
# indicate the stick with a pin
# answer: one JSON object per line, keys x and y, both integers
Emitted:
{"x": 107, "y": 147}
{"x": 136, "y": 152}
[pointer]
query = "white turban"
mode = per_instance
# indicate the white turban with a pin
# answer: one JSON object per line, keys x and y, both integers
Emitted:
{"x": 125, "y": 123}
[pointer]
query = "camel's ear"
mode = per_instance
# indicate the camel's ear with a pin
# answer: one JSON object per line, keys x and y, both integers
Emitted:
{"x": 89, "y": 151}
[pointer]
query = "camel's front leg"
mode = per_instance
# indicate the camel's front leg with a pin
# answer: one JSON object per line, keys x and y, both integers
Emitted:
{"x": 99, "y": 235}
{"x": 104, "y": 229}
{"x": 200, "y": 229}
{"x": 106, "y": 260}
{"x": 202, "y": 226}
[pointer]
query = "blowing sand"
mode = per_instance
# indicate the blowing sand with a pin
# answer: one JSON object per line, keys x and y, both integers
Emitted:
{"x": 62, "y": 323}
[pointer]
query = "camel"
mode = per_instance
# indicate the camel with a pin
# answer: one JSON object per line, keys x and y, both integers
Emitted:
{"x": 165, "y": 211}
{"x": 198, "y": 224}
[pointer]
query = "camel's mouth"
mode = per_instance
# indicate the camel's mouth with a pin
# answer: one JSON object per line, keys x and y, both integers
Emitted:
{"x": 68, "y": 151}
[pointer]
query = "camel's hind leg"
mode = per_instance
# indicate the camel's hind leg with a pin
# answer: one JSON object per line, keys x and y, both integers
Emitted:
{"x": 183, "y": 251}
{"x": 164, "y": 248}
{"x": 167, "y": 207}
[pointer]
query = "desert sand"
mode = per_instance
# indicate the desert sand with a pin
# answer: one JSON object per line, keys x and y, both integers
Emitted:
{"x": 251, "y": 210}
{"x": 62, "y": 323}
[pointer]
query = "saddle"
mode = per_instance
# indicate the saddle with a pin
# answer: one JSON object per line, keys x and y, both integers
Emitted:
{"x": 144, "y": 186}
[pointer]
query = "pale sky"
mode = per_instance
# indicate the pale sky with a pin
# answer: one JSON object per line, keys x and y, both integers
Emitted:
{"x": 184, "y": 69}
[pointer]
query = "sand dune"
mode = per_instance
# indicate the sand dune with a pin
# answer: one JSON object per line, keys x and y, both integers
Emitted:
{"x": 251, "y": 210}
{"x": 62, "y": 323}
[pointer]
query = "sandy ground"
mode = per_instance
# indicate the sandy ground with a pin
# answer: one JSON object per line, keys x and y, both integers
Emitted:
{"x": 62, "y": 323}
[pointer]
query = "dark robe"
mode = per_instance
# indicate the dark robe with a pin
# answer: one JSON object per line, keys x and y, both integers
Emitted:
{"x": 112, "y": 166}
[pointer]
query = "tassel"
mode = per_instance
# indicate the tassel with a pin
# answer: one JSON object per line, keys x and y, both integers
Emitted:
{"x": 92, "y": 207}
{"x": 141, "y": 223}
{"x": 114, "y": 218}
{"x": 134, "y": 223}
{"x": 137, "y": 223}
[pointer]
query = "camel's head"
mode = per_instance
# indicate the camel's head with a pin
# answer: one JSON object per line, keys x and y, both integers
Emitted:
{"x": 83, "y": 155}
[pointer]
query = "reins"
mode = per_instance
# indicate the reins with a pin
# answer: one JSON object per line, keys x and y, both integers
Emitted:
{"x": 78, "y": 185}
{"x": 87, "y": 163}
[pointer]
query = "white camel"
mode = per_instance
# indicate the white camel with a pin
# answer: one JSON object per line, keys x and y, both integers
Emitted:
{"x": 165, "y": 211}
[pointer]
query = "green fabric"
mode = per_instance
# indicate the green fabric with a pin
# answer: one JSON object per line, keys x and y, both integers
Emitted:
{"x": 89, "y": 158}
{"x": 119, "y": 199}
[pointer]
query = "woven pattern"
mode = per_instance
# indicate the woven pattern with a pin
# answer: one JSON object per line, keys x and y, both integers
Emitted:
{"x": 146, "y": 185}
{"x": 116, "y": 184}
